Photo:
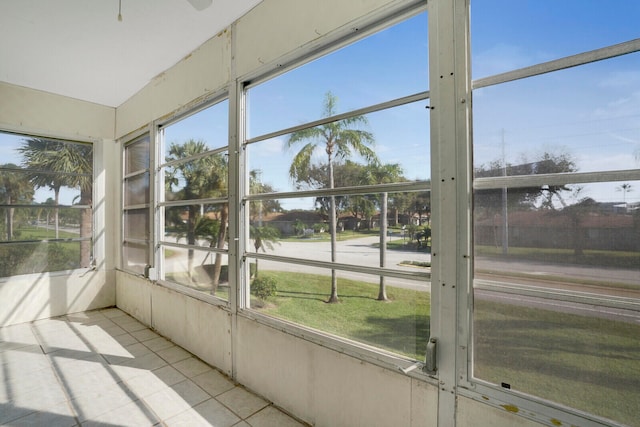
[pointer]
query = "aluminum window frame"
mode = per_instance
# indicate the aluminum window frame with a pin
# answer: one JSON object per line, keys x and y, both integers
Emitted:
{"x": 92, "y": 238}
{"x": 160, "y": 203}
{"x": 377, "y": 356}
{"x": 535, "y": 407}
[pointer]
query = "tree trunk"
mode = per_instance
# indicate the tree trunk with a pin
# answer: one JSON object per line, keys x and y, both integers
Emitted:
{"x": 56, "y": 211}
{"x": 382, "y": 292}
{"x": 86, "y": 222}
{"x": 222, "y": 233}
{"x": 333, "y": 229}
{"x": 191, "y": 239}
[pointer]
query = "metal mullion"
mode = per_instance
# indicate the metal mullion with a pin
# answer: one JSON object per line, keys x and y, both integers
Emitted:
{"x": 32, "y": 241}
{"x": 42, "y": 172}
{"x": 359, "y": 112}
{"x": 560, "y": 64}
{"x": 194, "y": 247}
{"x": 137, "y": 241}
{"x": 211, "y": 201}
{"x": 374, "y": 271}
{"x": 208, "y": 153}
{"x": 520, "y": 181}
{"x": 398, "y": 187}
{"x": 45, "y": 206}
{"x": 136, "y": 207}
{"x": 136, "y": 173}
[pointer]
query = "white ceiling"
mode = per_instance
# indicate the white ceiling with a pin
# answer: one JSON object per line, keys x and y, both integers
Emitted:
{"x": 78, "y": 48}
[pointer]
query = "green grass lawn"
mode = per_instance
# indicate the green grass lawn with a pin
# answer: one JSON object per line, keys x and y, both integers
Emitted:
{"x": 584, "y": 362}
{"x": 40, "y": 233}
{"x": 400, "y": 326}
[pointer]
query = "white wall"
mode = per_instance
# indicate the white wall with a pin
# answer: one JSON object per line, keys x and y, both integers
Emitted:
{"x": 38, "y": 296}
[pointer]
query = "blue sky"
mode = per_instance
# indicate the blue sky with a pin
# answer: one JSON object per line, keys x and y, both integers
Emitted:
{"x": 591, "y": 112}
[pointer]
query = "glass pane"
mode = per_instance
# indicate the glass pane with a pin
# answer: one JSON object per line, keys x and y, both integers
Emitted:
{"x": 136, "y": 190}
{"x": 28, "y": 258}
{"x": 41, "y": 222}
{"x": 201, "y": 270}
{"x": 202, "y": 178}
{"x": 306, "y": 234}
{"x": 297, "y": 293}
{"x": 197, "y": 225}
{"x": 397, "y": 138}
{"x": 582, "y": 119}
{"x": 557, "y": 291}
{"x": 206, "y": 129}
{"x": 135, "y": 256}
{"x": 136, "y": 156}
{"x": 387, "y": 65}
{"x": 136, "y": 224}
{"x": 507, "y": 35}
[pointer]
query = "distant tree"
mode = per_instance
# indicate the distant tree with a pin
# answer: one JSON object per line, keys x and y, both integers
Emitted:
{"x": 625, "y": 188}
{"x": 339, "y": 140}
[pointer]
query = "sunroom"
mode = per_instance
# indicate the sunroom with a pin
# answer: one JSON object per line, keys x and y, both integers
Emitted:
{"x": 285, "y": 212}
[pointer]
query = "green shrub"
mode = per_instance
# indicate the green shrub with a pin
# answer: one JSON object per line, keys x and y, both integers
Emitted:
{"x": 263, "y": 287}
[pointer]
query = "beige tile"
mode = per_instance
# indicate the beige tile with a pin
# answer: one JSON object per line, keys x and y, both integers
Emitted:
{"x": 157, "y": 344}
{"x": 174, "y": 354}
{"x": 191, "y": 367}
{"x": 272, "y": 417}
{"x": 176, "y": 399}
{"x": 242, "y": 402}
{"x": 213, "y": 382}
{"x": 145, "y": 335}
{"x": 208, "y": 413}
{"x": 62, "y": 417}
{"x": 169, "y": 375}
{"x": 148, "y": 361}
{"x": 133, "y": 414}
{"x": 96, "y": 403}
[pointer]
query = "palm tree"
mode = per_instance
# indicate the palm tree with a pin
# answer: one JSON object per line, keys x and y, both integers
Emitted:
{"x": 13, "y": 189}
{"x": 625, "y": 188}
{"x": 338, "y": 139}
{"x": 202, "y": 177}
{"x": 262, "y": 236}
{"x": 57, "y": 164}
{"x": 382, "y": 174}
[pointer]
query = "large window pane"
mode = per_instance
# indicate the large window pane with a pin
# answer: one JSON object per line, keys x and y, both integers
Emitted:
{"x": 513, "y": 34}
{"x": 582, "y": 119}
{"x": 398, "y": 138}
{"x": 39, "y": 179}
{"x": 136, "y": 224}
{"x": 136, "y": 190}
{"x": 201, "y": 178}
{"x": 198, "y": 225}
{"x": 207, "y": 128}
{"x": 200, "y": 270}
{"x": 297, "y": 293}
{"x": 305, "y": 233}
{"x": 387, "y": 65}
{"x": 294, "y": 242}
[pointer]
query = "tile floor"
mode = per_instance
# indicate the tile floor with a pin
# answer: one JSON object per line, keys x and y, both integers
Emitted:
{"x": 104, "y": 368}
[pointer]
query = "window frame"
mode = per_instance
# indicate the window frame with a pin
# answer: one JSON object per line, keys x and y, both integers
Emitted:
{"x": 160, "y": 203}
{"x": 380, "y": 357}
{"x": 130, "y": 140}
{"x": 20, "y": 133}
{"x": 535, "y": 407}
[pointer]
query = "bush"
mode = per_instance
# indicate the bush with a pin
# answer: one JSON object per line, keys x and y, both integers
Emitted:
{"x": 263, "y": 287}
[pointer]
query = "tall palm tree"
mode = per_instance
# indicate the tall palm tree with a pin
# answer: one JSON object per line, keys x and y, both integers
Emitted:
{"x": 382, "y": 174}
{"x": 13, "y": 189}
{"x": 56, "y": 164}
{"x": 338, "y": 139}
{"x": 203, "y": 177}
